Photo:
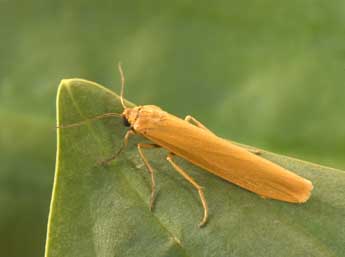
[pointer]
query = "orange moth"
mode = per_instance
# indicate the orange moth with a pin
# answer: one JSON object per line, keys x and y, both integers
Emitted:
{"x": 192, "y": 141}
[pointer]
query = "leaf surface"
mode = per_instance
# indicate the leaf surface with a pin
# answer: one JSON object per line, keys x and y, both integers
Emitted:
{"x": 104, "y": 211}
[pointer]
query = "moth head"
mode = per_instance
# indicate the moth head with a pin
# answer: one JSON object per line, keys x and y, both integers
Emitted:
{"x": 130, "y": 115}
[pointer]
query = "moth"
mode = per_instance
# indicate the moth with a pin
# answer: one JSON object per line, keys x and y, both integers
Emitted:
{"x": 190, "y": 140}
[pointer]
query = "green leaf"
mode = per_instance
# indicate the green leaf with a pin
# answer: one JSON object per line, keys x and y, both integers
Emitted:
{"x": 104, "y": 211}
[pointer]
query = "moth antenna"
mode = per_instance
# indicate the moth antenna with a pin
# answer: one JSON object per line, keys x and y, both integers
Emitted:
{"x": 122, "y": 85}
{"x": 98, "y": 117}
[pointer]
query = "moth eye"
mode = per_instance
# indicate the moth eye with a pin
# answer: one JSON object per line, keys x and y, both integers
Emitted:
{"x": 126, "y": 122}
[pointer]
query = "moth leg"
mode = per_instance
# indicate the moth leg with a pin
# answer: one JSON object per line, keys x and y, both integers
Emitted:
{"x": 125, "y": 142}
{"x": 194, "y": 184}
{"x": 197, "y": 123}
{"x": 150, "y": 170}
{"x": 254, "y": 151}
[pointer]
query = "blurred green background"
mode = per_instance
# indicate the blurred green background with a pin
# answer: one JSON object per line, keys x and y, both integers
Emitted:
{"x": 264, "y": 73}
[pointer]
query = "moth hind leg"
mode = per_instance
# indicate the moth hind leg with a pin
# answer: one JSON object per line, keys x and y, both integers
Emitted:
{"x": 197, "y": 123}
{"x": 255, "y": 151}
{"x": 194, "y": 184}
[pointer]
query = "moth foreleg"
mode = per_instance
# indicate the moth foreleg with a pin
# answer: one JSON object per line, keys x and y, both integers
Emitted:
{"x": 125, "y": 143}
